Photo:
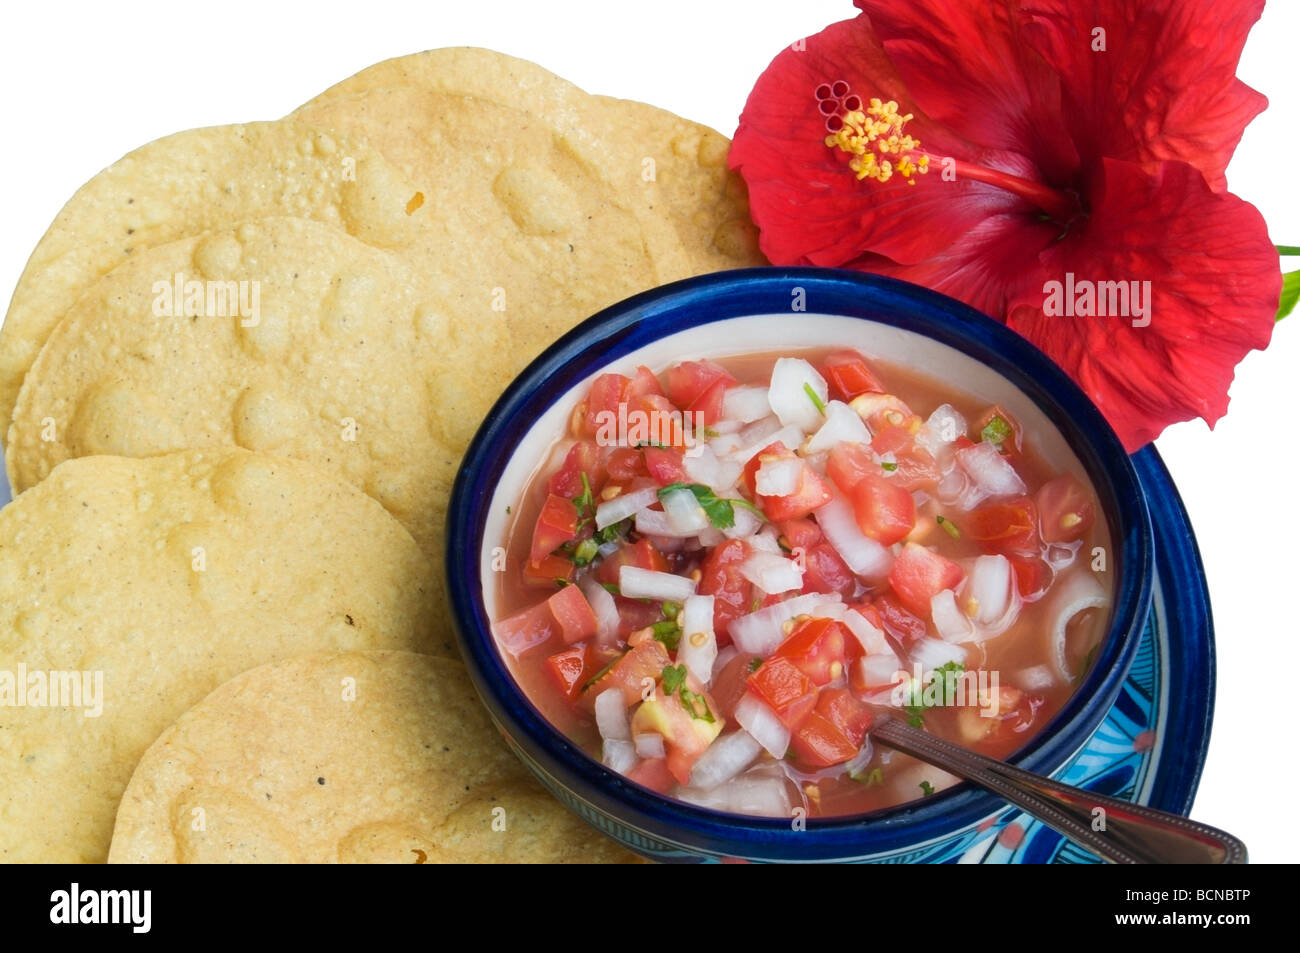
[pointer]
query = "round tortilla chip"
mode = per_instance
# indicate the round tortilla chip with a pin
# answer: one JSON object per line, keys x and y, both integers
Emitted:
{"x": 185, "y": 184}
{"x": 130, "y": 589}
{"x": 364, "y": 757}
{"x": 669, "y": 172}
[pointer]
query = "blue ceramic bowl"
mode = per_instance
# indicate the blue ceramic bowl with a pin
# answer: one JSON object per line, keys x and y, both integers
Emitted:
{"x": 774, "y": 309}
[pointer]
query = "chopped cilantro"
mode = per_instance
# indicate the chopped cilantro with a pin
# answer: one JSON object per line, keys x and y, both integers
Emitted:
{"x": 610, "y": 587}
{"x": 674, "y": 683}
{"x": 887, "y": 466}
{"x": 946, "y": 675}
{"x": 651, "y": 444}
{"x": 721, "y": 513}
{"x": 670, "y": 609}
{"x": 613, "y": 531}
{"x": 710, "y": 433}
{"x": 585, "y": 502}
{"x": 874, "y": 776}
{"x": 585, "y": 552}
{"x": 996, "y": 430}
{"x": 507, "y": 511}
{"x": 602, "y": 673}
{"x": 817, "y": 401}
{"x": 927, "y": 788}
{"x": 667, "y": 632}
{"x": 561, "y": 583}
{"x": 949, "y": 527}
{"x": 754, "y": 664}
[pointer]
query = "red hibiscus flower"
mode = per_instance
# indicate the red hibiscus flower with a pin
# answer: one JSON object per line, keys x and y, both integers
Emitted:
{"x": 1058, "y": 164}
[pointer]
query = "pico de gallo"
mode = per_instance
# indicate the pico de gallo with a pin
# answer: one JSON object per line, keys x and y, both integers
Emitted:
{"x": 727, "y": 571}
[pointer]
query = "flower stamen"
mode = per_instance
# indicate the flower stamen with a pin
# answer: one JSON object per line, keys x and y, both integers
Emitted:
{"x": 874, "y": 139}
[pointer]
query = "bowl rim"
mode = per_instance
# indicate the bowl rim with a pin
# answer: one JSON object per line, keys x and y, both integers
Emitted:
{"x": 637, "y": 321}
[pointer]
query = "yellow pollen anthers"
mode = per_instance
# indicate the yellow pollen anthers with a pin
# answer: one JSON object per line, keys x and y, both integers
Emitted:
{"x": 879, "y": 148}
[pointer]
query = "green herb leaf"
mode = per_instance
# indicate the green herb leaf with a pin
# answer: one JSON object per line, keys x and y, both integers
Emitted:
{"x": 611, "y": 588}
{"x": 674, "y": 677}
{"x": 755, "y": 664}
{"x": 927, "y": 788}
{"x": 585, "y": 552}
{"x": 690, "y": 700}
{"x": 561, "y": 583}
{"x": 721, "y": 513}
{"x": 667, "y": 632}
{"x": 602, "y": 673}
{"x": 817, "y": 401}
{"x": 996, "y": 430}
{"x": 613, "y": 531}
{"x": 874, "y": 776}
{"x": 887, "y": 466}
{"x": 949, "y": 527}
{"x": 584, "y": 502}
{"x": 1290, "y": 294}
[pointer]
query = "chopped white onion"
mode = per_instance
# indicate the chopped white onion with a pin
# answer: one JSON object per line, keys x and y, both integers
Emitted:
{"x": 611, "y": 715}
{"x": 872, "y": 639}
{"x": 842, "y": 425}
{"x": 858, "y": 763}
{"x": 649, "y": 744}
{"x": 772, "y": 573}
{"x": 879, "y": 671}
{"x": 698, "y": 647}
{"x": 862, "y": 554}
{"x": 1077, "y": 592}
{"x": 727, "y": 443}
{"x": 765, "y": 542}
{"x": 635, "y": 583}
{"x": 991, "y": 585}
{"x": 935, "y": 653}
{"x": 724, "y": 759}
{"x": 790, "y": 437}
{"x": 759, "y": 633}
{"x": 760, "y": 430}
{"x": 755, "y": 796}
{"x": 685, "y": 515}
{"x": 1036, "y": 678}
{"x": 711, "y": 537}
{"x": 942, "y": 427}
{"x": 1061, "y": 556}
{"x": 701, "y": 465}
{"x": 778, "y": 477}
{"x": 990, "y": 470}
{"x": 621, "y": 507}
{"x": 830, "y": 610}
{"x": 604, "y": 607}
{"x": 619, "y": 756}
{"x": 747, "y": 524}
{"x": 745, "y": 403}
{"x": 950, "y": 622}
{"x": 789, "y": 400}
{"x": 761, "y": 722}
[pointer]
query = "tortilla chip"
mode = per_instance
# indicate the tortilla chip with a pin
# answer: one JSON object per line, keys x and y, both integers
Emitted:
{"x": 158, "y": 580}
{"x": 365, "y": 757}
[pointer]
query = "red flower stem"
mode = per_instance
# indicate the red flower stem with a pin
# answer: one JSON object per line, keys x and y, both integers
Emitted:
{"x": 1055, "y": 203}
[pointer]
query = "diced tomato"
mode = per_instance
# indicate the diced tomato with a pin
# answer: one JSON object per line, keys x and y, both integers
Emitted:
{"x": 1010, "y": 527}
{"x": 811, "y": 493}
{"x": 661, "y": 420}
{"x": 870, "y": 613}
{"x": 567, "y": 669}
{"x": 846, "y": 713}
{"x": 732, "y": 593}
{"x": 707, "y": 408}
{"x": 918, "y": 574}
{"x": 897, "y": 621}
{"x": 557, "y": 523}
{"x": 1033, "y": 576}
{"x": 635, "y": 615}
{"x": 730, "y": 684}
{"x": 607, "y": 392}
{"x": 1010, "y": 444}
{"x": 525, "y": 630}
{"x": 549, "y": 572}
{"x": 686, "y": 737}
{"x": 1065, "y": 510}
{"x": 641, "y": 554}
{"x": 583, "y": 458}
{"x": 825, "y": 571}
{"x": 783, "y": 687}
{"x": 817, "y": 648}
{"x": 625, "y": 464}
{"x": 691, "y": 380}
{"x": 849, "y": 375}
{"x": 801, "y": 532}
{"x": 848, "y": 463}
{"x": 643, "y": 384}
{"x": 885, "y": 511}
{"x": 573, "y": 614}
{"x": 629, "y": 673}
{"x": 914, "y": 466}
{"x": 665, "y": 466}
{"x": 653, "y": 773}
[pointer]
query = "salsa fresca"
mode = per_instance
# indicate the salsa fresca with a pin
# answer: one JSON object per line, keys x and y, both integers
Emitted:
{"x": 728, "y": 570}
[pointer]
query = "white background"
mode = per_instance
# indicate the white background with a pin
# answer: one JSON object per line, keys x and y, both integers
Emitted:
{"x": 84, "y": 84}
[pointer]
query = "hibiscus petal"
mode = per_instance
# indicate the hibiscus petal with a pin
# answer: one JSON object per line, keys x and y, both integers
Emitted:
{"x": 965, "y": 65}
{"x": 1214, "y": 290}
{"x": 1164, "y": 87}
{"x": 807, "y": 203}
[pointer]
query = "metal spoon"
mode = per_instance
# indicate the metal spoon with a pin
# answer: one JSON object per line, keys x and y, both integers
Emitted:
{"x": 1120, "y": 832}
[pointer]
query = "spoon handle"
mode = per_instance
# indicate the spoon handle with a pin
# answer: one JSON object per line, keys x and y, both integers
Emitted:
{"x": 1117, "y": 831}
